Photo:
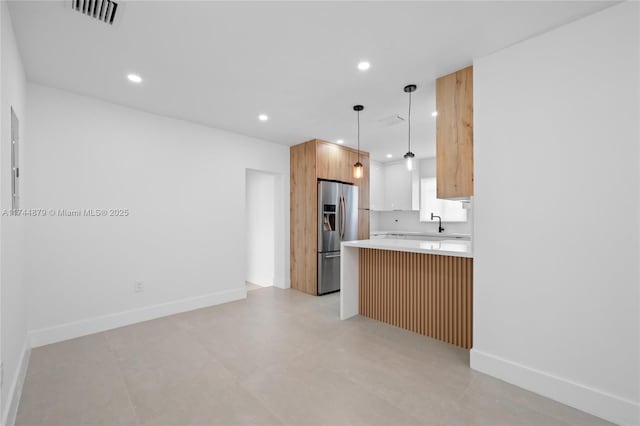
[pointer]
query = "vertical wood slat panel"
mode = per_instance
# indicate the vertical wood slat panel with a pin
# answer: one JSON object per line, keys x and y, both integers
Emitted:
{"x": 424, "y": 293}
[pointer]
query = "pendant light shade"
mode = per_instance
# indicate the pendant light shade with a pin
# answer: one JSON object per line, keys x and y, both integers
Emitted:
{"x": 409, "y": 155}
{"x": 358, "y": 168}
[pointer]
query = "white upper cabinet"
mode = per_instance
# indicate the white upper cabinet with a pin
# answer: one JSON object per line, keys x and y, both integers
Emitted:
{"x": 397, "y": 186}
{"x": 393, "y": 187}
{"x": 376, "y": 186}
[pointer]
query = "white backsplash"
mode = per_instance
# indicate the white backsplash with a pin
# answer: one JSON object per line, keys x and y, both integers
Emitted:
{"x": 409, "y": 221}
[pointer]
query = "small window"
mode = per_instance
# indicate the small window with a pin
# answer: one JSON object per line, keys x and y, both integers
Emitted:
{"x": 15, "y": 163}
{"x": 450, "y": 211}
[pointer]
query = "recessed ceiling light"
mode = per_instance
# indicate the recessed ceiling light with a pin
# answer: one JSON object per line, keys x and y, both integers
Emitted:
{"x": 364, "y": 65}
{"x": 263, "y": 117}
{"x": 434, "y": 114}
{"x": 134, "y": 78}
{"x": 340, "y": 141}
{"x": 389, "y": 155}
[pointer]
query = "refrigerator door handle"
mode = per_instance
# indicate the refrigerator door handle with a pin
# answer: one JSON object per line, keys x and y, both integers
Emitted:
{"x": 344, "y": 209}
{"x": 343, "y": 215}
{"x": 340, "y": 223}
{"x": 339, "y": 216}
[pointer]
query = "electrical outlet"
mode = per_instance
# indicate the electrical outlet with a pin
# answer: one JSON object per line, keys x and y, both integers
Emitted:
{"x": 138, "y": 287}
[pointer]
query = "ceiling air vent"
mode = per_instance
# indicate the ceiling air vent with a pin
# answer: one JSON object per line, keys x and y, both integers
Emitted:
{"x": 392, "y": 120}
{"x": 102, "y": 10}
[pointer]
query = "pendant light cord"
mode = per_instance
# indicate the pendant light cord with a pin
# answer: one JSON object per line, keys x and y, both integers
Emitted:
{"x": 358, "y": 136}
{"x": 409, "y": 122}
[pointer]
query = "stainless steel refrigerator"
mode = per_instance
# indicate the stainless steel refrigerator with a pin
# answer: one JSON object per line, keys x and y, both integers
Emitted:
{"x": 337, "y": 222}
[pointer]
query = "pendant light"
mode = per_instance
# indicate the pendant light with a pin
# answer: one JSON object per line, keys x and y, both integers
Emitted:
{"x": 358, "y": 169}
{"x": 409, "y": 155}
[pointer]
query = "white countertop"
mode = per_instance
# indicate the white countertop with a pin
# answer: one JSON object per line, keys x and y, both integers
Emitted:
{"x": 459, "y": 248}
{"x": 426, "y": 234}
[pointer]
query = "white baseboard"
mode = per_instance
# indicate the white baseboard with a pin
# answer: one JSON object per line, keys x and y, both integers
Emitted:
{"x": 261, "y": 283}
{"x": 59, "y": 333}
{"x": 593, "y": 401}
{"x": 15, "y": 392}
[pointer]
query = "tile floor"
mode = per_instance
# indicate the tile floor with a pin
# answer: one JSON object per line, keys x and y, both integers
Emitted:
{"x": 279, "y": 357}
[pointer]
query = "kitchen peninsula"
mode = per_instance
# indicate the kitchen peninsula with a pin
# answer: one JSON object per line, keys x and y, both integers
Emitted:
{"x": 422, "y": 286}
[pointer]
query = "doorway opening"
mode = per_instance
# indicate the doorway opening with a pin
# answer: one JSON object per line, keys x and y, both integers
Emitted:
{"x": 263, "y": 228}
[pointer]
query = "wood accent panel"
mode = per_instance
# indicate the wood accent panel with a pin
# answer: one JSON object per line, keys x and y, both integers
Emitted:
{"x": 454, "y": 134}
{"x": 345, "y": 165}
{"x": 332, "y": 162}
{"x": 335, "y": 162}
{"x": 424, "y": 293}
{"x": 363, "y": 224}
{"x": 309, "y": 161}
{"x": 303, "y": 217}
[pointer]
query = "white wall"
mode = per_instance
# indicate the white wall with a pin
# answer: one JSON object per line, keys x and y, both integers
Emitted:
{"x": 556, "y": 277}
{"x": 184, "y": 186}
{"x": 13, "y": 332}
{"x": 260, "y": 208}
{"x": 410, "y": 220}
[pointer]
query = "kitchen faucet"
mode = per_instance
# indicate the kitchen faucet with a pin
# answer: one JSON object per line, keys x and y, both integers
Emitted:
{"x": 440, "y": 228}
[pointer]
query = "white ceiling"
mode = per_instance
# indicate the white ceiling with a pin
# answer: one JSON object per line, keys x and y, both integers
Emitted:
{"x": 223, "y": 63}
